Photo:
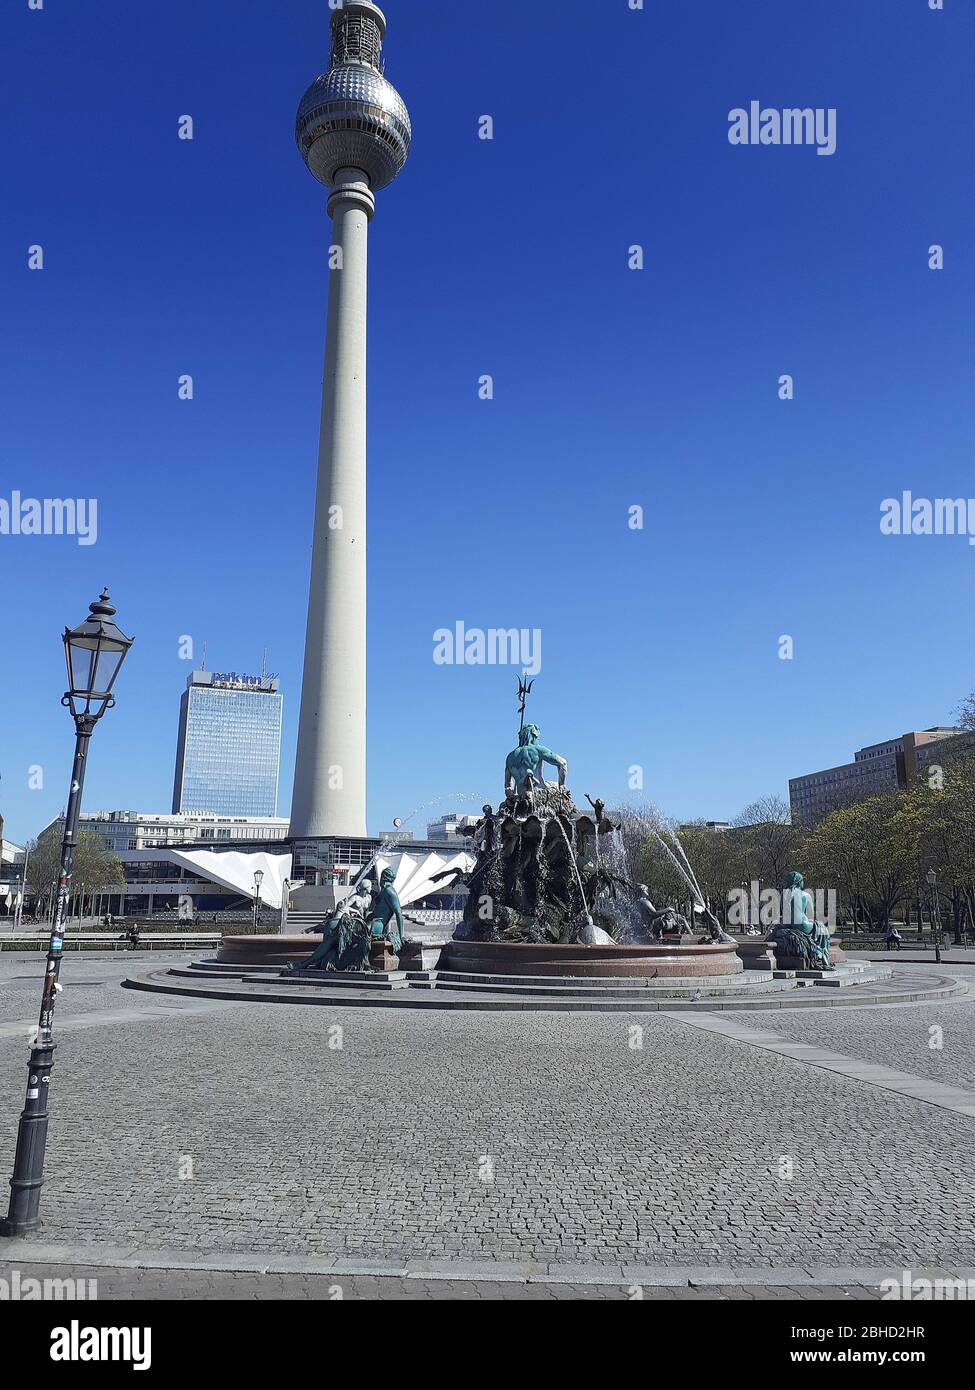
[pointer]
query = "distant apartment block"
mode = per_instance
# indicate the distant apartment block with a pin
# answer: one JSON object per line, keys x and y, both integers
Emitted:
{"x": 136, "y": 830}
{"x": 450, "y": 828}
{"x": 877, "y": 770}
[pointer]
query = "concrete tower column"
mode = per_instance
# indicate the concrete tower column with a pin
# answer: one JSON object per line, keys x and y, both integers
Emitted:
{"x": 330, "y": 770}
{"x": 353, "y": 132}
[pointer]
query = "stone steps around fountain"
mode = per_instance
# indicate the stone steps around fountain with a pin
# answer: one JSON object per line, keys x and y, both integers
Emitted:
{"x": 747, "y": 985}
{"x": 627, "y": 985}
{"x": 545, "y": 987}
{"x": 379, "y": 979}
{"x": 232, "y": 972}
{"x": 542, "y": 985}
{"x": 356, "y": 992}
{"x": 386, "y": 979}
{"x": 851, "y": 972}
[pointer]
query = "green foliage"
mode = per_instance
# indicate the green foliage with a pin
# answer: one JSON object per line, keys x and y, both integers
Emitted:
{"x": 866, "y": 852}
{"x": 764, "y": 844}
{"x": 874, "y": 853}
{"x": 42, "y": 867}
{"x": 939, "y": 822}
{"x": 95, "y": 869}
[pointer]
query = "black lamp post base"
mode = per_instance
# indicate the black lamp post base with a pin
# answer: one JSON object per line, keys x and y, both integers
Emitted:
{"x": 25, "y": 1185}
{"x": 11, "y": 1229}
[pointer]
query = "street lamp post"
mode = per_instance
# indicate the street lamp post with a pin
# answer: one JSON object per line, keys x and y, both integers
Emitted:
{"x": 19, "y": 890}
{"x": 932, "y": 877}
{"x": 94, "y": 652}
{"x": 285, "y": 906}
{"x": 258, "y": 880}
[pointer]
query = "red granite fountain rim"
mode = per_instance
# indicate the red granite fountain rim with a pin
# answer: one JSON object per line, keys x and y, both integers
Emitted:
{"x": 576, "y": 948}
{"x": 652, "y": 948}
{"x": 522, "y": 957}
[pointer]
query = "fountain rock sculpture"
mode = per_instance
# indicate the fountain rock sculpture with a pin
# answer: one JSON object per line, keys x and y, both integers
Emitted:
{"x": 536, "y": 877}
{"x": 548, "y": 874}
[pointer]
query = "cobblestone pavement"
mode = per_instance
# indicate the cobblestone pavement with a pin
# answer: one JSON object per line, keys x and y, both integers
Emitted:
{"x": 91, "y": 984}
{"x": 180, "y": 1285}
{"x": 574, "y": 1138}
{"x": 936, "y": 1041}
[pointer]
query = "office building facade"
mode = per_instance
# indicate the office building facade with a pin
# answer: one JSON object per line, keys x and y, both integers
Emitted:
{"x": 229, "y": 748}
{"x": 120, "y": 831}
{"x": 879, "y": 769}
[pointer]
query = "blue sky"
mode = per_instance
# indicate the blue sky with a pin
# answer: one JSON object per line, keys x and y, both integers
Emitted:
{"x": 613, "y": 387}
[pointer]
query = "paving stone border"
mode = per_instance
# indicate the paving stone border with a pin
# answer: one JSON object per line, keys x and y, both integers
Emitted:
{"x": 25, "y": 1253}
{"x": 956, "y": 1098}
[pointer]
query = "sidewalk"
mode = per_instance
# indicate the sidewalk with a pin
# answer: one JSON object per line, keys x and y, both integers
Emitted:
{"x": 910, "y": 955}
{"x": 179, "y": 1275}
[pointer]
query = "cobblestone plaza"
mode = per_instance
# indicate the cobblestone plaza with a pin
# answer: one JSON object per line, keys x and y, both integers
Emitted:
{"x": 828, "y": 1147}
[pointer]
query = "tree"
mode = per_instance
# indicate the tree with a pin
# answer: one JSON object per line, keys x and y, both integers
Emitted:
{"x": 834, "y": 858}
{"x": 44, "y": 861}
{"x": 966, "y": 713}
{"x": 867, "y": 851}
{"x": 714, "y": 858}
{"x": 95, "y": 869}
{"x": 769, "y": 845}
{"x": 646, "y": 862}
{"x": 940, "y": 823}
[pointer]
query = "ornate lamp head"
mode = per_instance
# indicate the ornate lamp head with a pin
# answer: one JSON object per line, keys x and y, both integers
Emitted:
{"x": 94, "y": 652}
{"x": 351, "y": 117}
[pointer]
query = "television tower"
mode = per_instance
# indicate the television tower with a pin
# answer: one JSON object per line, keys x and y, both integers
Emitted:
{"x": 353, "y": 132}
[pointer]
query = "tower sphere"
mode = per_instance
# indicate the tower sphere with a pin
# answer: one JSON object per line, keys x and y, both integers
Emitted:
{"x": 351, "y": 117}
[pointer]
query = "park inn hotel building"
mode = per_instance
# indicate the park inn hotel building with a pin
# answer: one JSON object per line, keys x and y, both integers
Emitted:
{"x": 228, "y": 751}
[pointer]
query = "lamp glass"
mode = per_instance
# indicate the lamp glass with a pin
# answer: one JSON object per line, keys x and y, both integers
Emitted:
{"x": 94, "y": 652}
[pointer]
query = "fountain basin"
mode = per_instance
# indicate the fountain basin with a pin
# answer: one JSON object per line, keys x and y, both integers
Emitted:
{"x": 278, "y": 951}
{"x": 593, "y": 962}
{"x": 266, "y": 950}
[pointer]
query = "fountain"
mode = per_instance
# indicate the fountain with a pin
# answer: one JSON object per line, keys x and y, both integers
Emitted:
{"x": 550, "y": 892}
{"x": 554, "y": 919}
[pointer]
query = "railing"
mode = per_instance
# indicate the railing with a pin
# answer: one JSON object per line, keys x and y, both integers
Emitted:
{"x": 95, "y": 941}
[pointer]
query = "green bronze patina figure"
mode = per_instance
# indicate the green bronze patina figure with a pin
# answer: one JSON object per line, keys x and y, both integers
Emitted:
{"x": 344, "y": 945}
{"x": 523, "y": 765}
{"x": 799, "y": 934}
{"x": 658, "y": 922}
{"x": 387, "y": 915}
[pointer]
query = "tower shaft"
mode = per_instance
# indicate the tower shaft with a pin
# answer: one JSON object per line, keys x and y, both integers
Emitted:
{"x": 353, "y": 132}
{"x": 330, "y": 765}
